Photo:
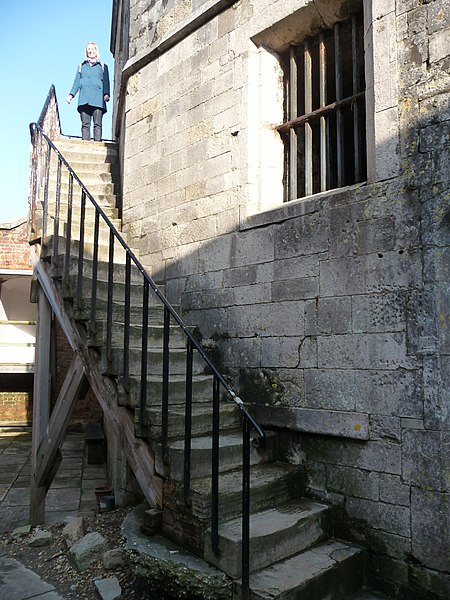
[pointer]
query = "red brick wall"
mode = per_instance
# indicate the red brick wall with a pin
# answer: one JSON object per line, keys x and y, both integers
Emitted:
{"x": 14, "y": 248}
{"x": 16, "y": 398}
{"x": 87, "y": 409}
{"x": 15, "y": 408}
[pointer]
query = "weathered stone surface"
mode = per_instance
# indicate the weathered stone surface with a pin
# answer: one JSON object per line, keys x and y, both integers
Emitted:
{"x": 112, "y": 559}
{"x": 108, "y": 588}
{"x": 378, "y": 515}
{"x": 21, "y": 531}
{"x": 88, "y": 549}
{"x": 374, "y": 456}
{"x": 41, "y": 538}
{"x": 73, "y": 531}
{"x": 430, "y": 525}
{"x": 353, "y": 482}
{"x": 426, "y": 459}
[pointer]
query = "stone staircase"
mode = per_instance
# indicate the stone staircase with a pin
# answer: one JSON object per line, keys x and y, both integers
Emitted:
{"x": 292, "y": 551}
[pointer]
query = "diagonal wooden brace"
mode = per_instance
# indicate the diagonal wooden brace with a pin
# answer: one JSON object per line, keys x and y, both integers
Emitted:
{"x": 74, "y": 387}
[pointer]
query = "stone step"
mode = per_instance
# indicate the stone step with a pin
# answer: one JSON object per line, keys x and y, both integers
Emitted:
{"x": 230, "y": 455}
{"x": 177, "y": 362}
{"x": 177, "y": 338}
{"x": 136, "y": 276}
{"x": 87, "y": 151}
{"x": 271, "y": 484}
{"x": 88, "y": 247}
{"x": 276, "y": 533}
{"x": 331, "y": 570}
{"x": 134, "y": 291}
{"x": 82, "y": 311}
{"x": 201, "y": 420}
{"x": 110, "y": 211}
{"x": 87, "y": 164}
{"x": 201, "y": 390}
{"x": 96, "y": 187}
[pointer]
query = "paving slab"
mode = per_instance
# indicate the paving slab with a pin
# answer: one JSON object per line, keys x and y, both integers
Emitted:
{"x": 19, "y": 583}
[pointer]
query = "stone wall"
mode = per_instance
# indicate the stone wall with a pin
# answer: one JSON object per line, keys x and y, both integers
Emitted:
{"x": 337, "y": 303}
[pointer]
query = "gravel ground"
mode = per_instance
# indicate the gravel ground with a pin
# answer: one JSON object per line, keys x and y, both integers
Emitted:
{"x": 54, "y": 565}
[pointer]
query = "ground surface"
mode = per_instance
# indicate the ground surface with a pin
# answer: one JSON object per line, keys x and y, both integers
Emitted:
{"x": 54, "y": 565}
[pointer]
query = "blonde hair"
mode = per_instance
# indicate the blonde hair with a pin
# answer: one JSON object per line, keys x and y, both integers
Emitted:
{"x": 96, "y": 48}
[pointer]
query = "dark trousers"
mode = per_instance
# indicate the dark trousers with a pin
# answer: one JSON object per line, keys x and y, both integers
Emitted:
{"x": 87, "y": 113}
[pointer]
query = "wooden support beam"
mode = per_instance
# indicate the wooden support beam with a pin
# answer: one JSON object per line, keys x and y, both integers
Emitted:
{"x": 41, "y": 402}
{"x": 138, "y": 453}
{"x": 74, "y": 387}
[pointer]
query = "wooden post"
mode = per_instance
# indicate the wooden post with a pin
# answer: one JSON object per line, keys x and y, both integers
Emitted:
{"x": 41, "y": 402}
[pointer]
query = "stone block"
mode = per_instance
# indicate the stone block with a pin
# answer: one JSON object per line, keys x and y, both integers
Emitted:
{"x": 108, "y": 588}
{"x": 280, "y": 352}
{"x": 372, "y": 456}
{"x": 73, "y": 531}
{"x": 430, "y": 523}
{"x": 295, "y": 289}
{"x": 375, "y": 235}
{"x": 384, "y": 392}
{"x": 274, "y": 319}
{"x": 377, "y": 313}
{"x": 41, "y": 537}
{"x": 238, "y": 276}
{"x": 343, "y": 225}
{"x": 439, "y": 45}
{"x": 363, "y": 351}
{"x": 353, "y": 482}
{"x": 426, "y": 459}
{"x": 324, "y": 422}
{"x": 251, "y": 248}
{"x": 393, "y": 490}
{"x": 393, "y": 545}
{"x": 393, "y": 271}
{"x": 252, "y": 294}
{"x": 88, "y": 549}
{"x": 342, "y": 277}
{"x": 378, "y": 515}
{"x": 385, "y": 427}
{"x": 302, "y": 236}
{"x": 328, "y": 316}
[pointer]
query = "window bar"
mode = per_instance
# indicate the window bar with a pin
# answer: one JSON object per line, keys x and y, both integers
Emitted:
{"x": 293, "y": 108}
{"x": 323, "y": 123}
{"x": 94, "y": 274}
{"x": 165, "y": 384}
{"x": 339, "y": 120}
{"x": 357, "y": 140}
{"x": 69, "y": 229}
{"x": 215, "y": 470}
{"x": 245, "y": 508}
{"x": 126, "y": 326}
{"x": 144, "y": 351}
{"x": 188, "y": 425}
{"x": 109, "y": 310}
{"x": 57, "y": 207}
{"x": 46, "y": 180}
{"x": 308, "y": 128}
{"x": 81, "y": 248}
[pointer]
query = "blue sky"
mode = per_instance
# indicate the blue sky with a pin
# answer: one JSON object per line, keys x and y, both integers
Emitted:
{"x": 41, "y": 43}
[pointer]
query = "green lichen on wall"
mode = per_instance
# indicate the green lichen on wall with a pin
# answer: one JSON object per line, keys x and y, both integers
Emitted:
{"x": 261, "y": 386}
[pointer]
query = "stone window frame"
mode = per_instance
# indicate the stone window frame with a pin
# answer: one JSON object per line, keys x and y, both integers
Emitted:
{"x": 324, "y": 126}
{"x": 264, "y": 201}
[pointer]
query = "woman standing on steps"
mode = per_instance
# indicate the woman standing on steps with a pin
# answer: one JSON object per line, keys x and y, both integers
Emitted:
{"x": 92, "y": 81}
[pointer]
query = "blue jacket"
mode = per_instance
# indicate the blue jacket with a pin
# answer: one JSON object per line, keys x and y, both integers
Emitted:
{"x": 93, "y": 83}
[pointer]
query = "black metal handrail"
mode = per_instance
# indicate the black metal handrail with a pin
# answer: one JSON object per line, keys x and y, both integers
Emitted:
{"x": 170, "y": 315}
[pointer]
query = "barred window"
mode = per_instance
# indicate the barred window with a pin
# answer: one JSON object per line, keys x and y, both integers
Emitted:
{"x": 324, "y": 127}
